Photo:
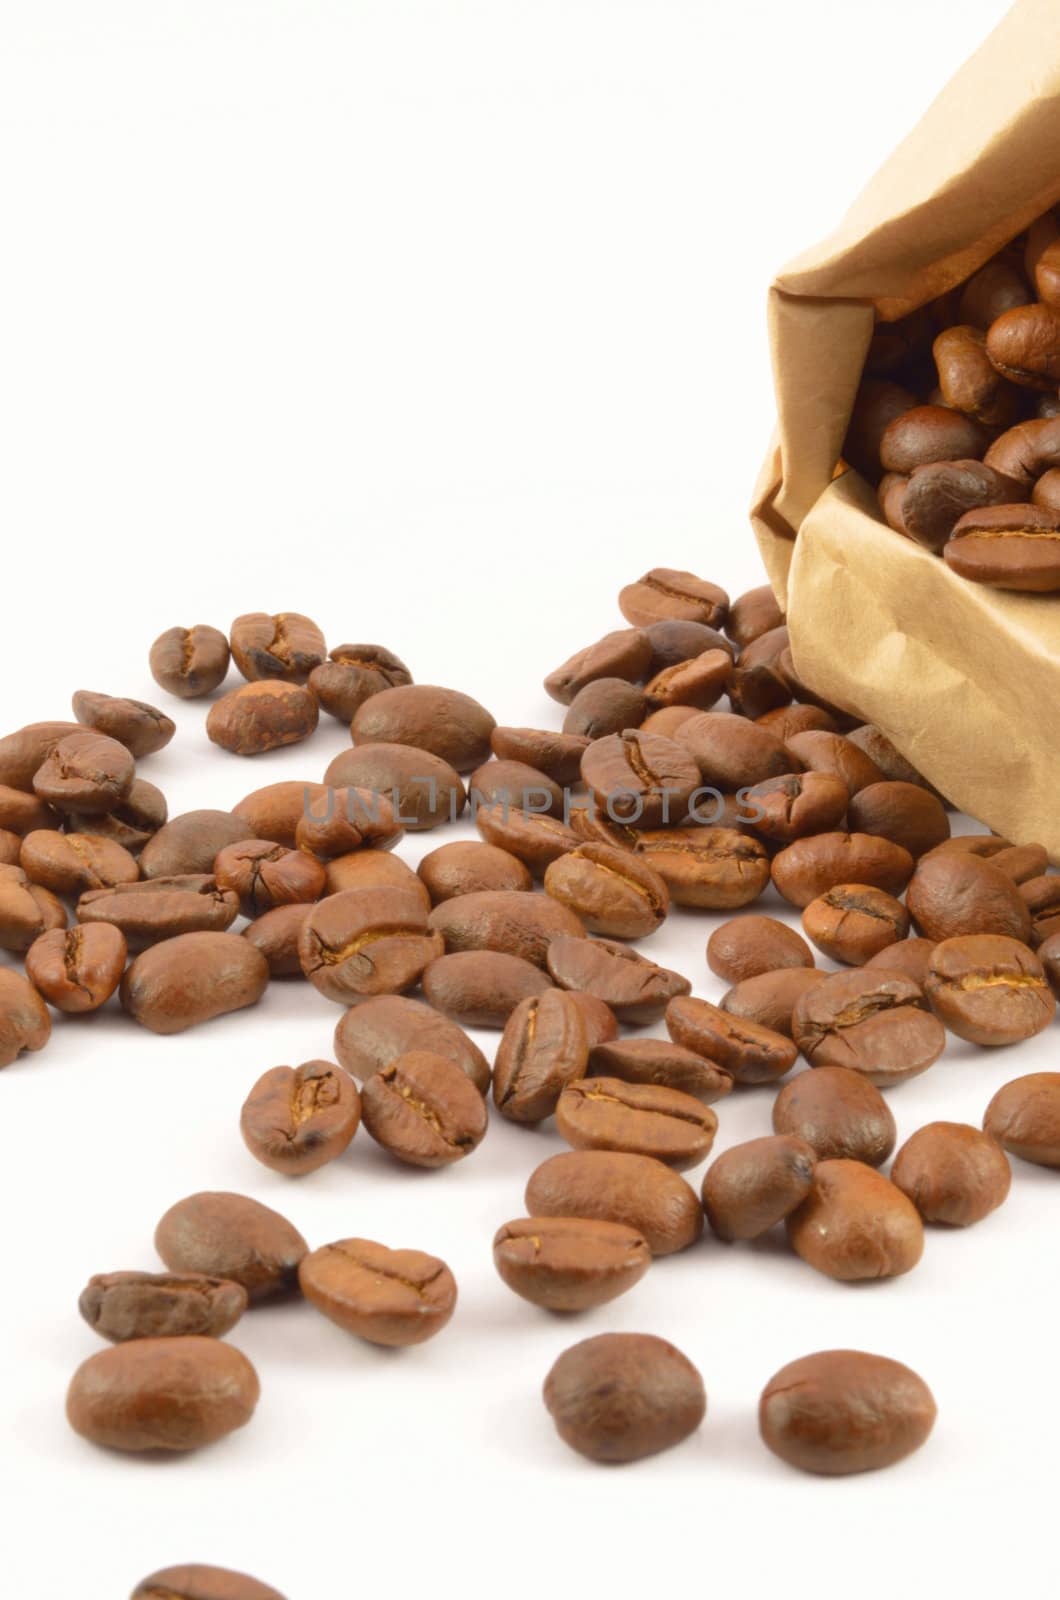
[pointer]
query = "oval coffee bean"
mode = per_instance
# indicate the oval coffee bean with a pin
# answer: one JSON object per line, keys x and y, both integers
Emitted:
{"x": 23, "y": 813}
{"x": 297, "y": 1119}
{"x": 423, "y": 790}
{"x": 569, "y": 1263}
{"x": 23, "y": 752}
{"x": 606, "y": 706}
{"x": 366, "y": 942}
{"x": 905, "y": 813}
{"x": 843, "y": 1411}
{"x": 610, "y": 890}
{"x": 25, "y": 1022}
{"x": 286, "y": 646}
{"x": 274, "y": 811}
{"x": 543, "y": 1048}
{"x": 533, "y": 839}
{"x": 372, "y": 869}
{"x": 373, "y": 1034}
{"x": 26, "y": 910}
{"x": 86, "y": 772}
{"x": 481, "y": 988}
{"x": 264, "y": 875}
{"x": 1024, "y": 345}
{"x": 202, "y": 1583}
{"x": 353, "y": 673}
{"x": 77, "y": 969}
{"x": 930, "y": 433}
{"x": 1008, "y": 547}
{"x": 659, "y": 1061}
{"x": 276, "y": 935}
{"x": 506, "y": 920}
{"x": 797, "y": 805}
{"x": 666, "y": 594}
{"x": 911, "y": 958}
{"x": 389, "y": 1297}
{"x": 989, "y": 990}
{"x": 141, "y": 728}
{"x": 752, "y": 614}
{"x": 190, "y": 662}
{"x": 748, "y": 946}
{"x": 162, "y": 1394}
{"x": 343, "y": 820}
{"x": 639, "y": 1118}
{"x": 731, "y": 753}
{"x": 699, "y": 682}
{"x": 161, "y": 908}
{"x": 715, "y": 869}
{"x": 853, "y": 922}
{"x": 70, "y": 863}
{"x": 839, "y": 1114}
{"x": 748, "y": 1052}
{"x": 951, "y": 894}
{"x": 837, "y": 757}
{"x": 601, "y": 1024}
{"x": 810, "y": 867}
{"x": 467, "y": 867}
{"x": 640, "y": 778}
{"x": 522, "y": 786}
{"x": 622, "y": 1396}
{"x": 1021, "y": 863}
{"x": 424, "y": 1110}
{"x": 753, "y": 1186}
{"x": 635, "y": 1190}
{"x": 231, "y": 1236}
{"x": 786, "y": 720}
{"x": 856, "y": 1224}
{"x": 262, "y": 716}
{"x": 635, "y": 988}
{"x": 443, "y": 721}
{"x": 873, "y": 1021}
{"x": 770, "y": 998}
{"x": 1024, "y": 1118}
{"x": 626, "y": 653}
{"x": 188, "y": 844}
{"x": 161, "y": 1305}
{"x": 557, "y": 755}
{"x": 673, "y": 641}
{"x": 191, "y": 979}
{"x": 952, "y": 1173}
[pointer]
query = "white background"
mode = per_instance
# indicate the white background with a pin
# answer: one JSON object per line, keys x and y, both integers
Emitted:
{"x": 439, "y": 322}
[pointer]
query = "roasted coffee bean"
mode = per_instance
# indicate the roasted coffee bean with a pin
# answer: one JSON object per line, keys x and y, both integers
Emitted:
{"x": 893, "y": 765}
{"x": 1024, "y": 1118}
{"x": 264, "y": 875}
{"x": 376, "y": 1032}
{"x": 641, "y": 779}
{"x": 161, "y": 1305}
{"x": 520, "y": 785}
{"x": 421, "y": 788}
{"x": 639, "y": 1118}
{"x": 755, "y": 1185}
{"x": 373, "y": 869}
{"x": 543, "y": 1048}
{"x": 162, "y": 908}
{"x": 1042, "y": 895}
{"x": 891, "y": 499}
{"x": 366, "y": 942}
{"x": 911, "y": 958}
{"x": 606, "y": 706}
{"x": 389, "y": 1297}
{"x": 1046, "y": 491}
{"x": 202, "y": 1583}
{"x": 984, "y": 845}
{"x": 70, "y": 863}
{"x": 141, "y": 728}
{"x": 665, "y": 594}
{"x": 352, "y": 674}
{"x": 844, "y": 1411}
{"x": 626, "y": 653}
{"x": 856, "y": 1224}
{"x": 275, "y": 811}
{"x": 191, "y": 979}
{"x": 758, "y": 683}
{"x": 952, "y": 1173}
{"x": 969, "y": 380}
{"x": 667, "y": 719}
{"x": 873, "y": 1021}
{"x": 86, "y": 772}
{"x": 905, "y": 813}
{"x": 23, "y": 752}
{"x": 557, "y": 755}
{"x": 930, "y": 433}
{"x": 133, "y": 824}
{"x": 231, "y": 1236}
{"x": 623, "y": 1396}
{"x": 730, "y": 753}
{"x": 162, "y": 1394}
{"x": 1026, "y": 452}
{"x": 935, "y": 497}
{"x": 1021, "y": 862}
{"x": 876, "y": 404}
{"x": 287, "y": 646}
{"x": 989, "y": 990}
{"x": 506, "y": 920}
{"x": 752, "y": 614}
{"x": 190, "y": 662}
{"x": 748, "y": 1052}
{"x": 343, "y": 820}
{"x": 1024, "y": 345}
{"x": 783, "y": 721}
{"x": 716, "y": 869}
{"x": 77, "y": 969}
{"x": 636, "y": 989}
{"x": 699, "y": 682}
{"x": 635, "y": 1190}
{"x": 424, "y": 1110}
{"x": 569, "y": 1263}
{"x": 296, "y": 1119}
{"x": 1042, "y": 258}
{"x": 661, "y": 1062}
{"x": 481, "y": 988}
{"x": 1008, "y": 547}
{"x": 853, "y": 922}
{"x": 810, "y": 867}
{"x": 601, "y": 1024}
{"x": 23, "y": 813}
{"x": 839, "y": 1113}
{"x": 25, "y": 1022}
{"x": 953, "y": 893}
{"x": 995, "y": 288}
{"x": 10, "y": 848}
{"x": 533, "y": 839}
{"x": 1049, "y": 956}
{"x": 26, "y": 910}
{"x": 262, "y": 716}
{"x": 466, "y": 867}
{"x": 749, "y": 946}
{"x": 833, "y": 754}
{"x": 770, "y": 998}
{"x": 611, "y": 891}
{"x": 797, "y": 805}
{"x": 443, "y": 721}
{"x": 189, "y": 843}
{"x": 673, "y": 640}
{"x": 276, "y": 935}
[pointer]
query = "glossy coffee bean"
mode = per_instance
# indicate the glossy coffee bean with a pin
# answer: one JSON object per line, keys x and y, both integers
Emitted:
{"x": 905, "y": 813}
{"x": 372, "y": 869}
{"x": 534, "y": 840}
{"x": 748, "y": 946}
{"x": 543, "y": 1048}
{"x": 141, "y": 728}
{"x": 731, "y": 753}
{"x": 161, "y": 908}
{"x": 521, "y": 786}
{"x": 855, "y": 1224}
{"x": 1024, "y": 1118}
{"x": 1008, "y": 547}
{"x": 753, "y": 1186}
{"x": 191, "y": 979}
{"x": 286, "y": 646}
{"x": 161, "y": 1305}
{"x": 659, "y": 1061}
{"x": 1024, "y": 345}
{"x": 853, "y": 922}
{"x": 952, "y": 894}
{"x": 699, "y": 682}
{"x": 274, "y": 811}
{"x": 569, "y": 1263}
{"x": 839, "y": 1113}
{"x": 626, "y": 653}
{"x": 844, "y": 1411}
{"x": 989, "y": 990}
{"x": 715, "y": 869}
{"x": 190, "y": 662}
{"x": 995, "y": 288}
{"x": 611, "y": 891}
{"x": 935, "y": 497}
{"x": 389, "y": 1297}
{"x": 442, "y": 721}
{"x": 873, "y": 1021}
{"x": 1026, "y": 452}
{"x": 748, "y": 1052}
{"x": 262, "y": 716}
{"x": 70, "y": 863}
{"x": 877, "y": 403}
{"x": 930, "y": 433}
{"x": 636, "y": 989}
{"x": 557, "y": 755}
{"x": 667, "y": 719}
{"x": 640, "y": 779}
{"x": 751, "y": 614}
{"x": 77, "y": 969}
{"x": 366, "y": 942}
{"x": 264, "y": 875}
{"x": 352, "y": 674}
{"x": 505, "y": 920}
{"x": 231, "y": 1236}
{"x": 25, "y": 1022}
{"x": 601, "y": 1024}
{"x": 343, "y": 820}
{"x": 952, "y": 1173}
{"x": 797, "y": 805}
{"x": 673, "y": 641}
{"x": 666, "y": 594}
{"x": 769, "y": 999}
{"x": 202, "y": 1583}
{"x": 424, "y": 1110}
{"x": 466, "y": 867}
{"x": 375, "y": 1033}
{"x": 811, "y": 867}
{"x": 606, "y": 706}
{"x": 162, "y": 1394}
{"x": 481, "y": 988}
{"x": 276, "y": 935}
{"x": 23, "y": 752}
{"x": 23, "y": 813}
{"x": 911, "y": 958}
{"x": 637, "y": 1191}
{"x": 26, "y": 910}
{"x": 85, "y": 772}
{"x": 296, "y": 1119}
{"x": 968, "y": 379}
{"x": 639, "y": 1118}
{"x": 189, "y": 843}
{"x": 623, "y": 1396}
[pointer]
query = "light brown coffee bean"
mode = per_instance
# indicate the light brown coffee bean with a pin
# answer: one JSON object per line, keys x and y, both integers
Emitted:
{"x": 636, "y": 989}
{"x": 467, "y": 867}
{"x": 640, "y": 1118}
{"x": 715, "y": 869}
{"x": 626, "y": 653}
{"x": 769, "y": 999}
{"x": 443, "y": 721}
{"x": 190, "y": 662}
{"x": 276, "y": 934}
{"x": 952, "y": 1173}
{"x": 836, "y": 756}
{"x": 623, "y": 1396}
{"x": 748, "y": 1052}
{"x": 638, "y": 1191}
{"x": 23, "y": 813}
{"x": 389, "y": 1297}
{"x": 274, "y": 811}
{"x": 752, "y": 614}
{"x": 10, "y": 848}
{"x": 989, "y": 990}
{"x": 521, "y": 786}
{"x": 853, "y": 922}
{"x": 810, "y": 867}
{"x": 699, "y": 682}
{"x": 191, "y": 979}
{"x": 262, "y": 716}
{"x": 77, "y": 969}
{"x": 855, "y": 1224}
{"x": 510, "y": 921}
{"x": 25, "y": 1022}
{"x": 1024, "y": 1118}
{"x": 1042, "y": 894}
{"x": 286, "y": 646}
{"x": 797, "y": 805}
{"x": 535, "y": 840}
{"x": 344, "y": 820}
{"x": 141, "y": 728}
{"x": 189, "y": 843}
{"x": 873, "y": 1021}
{"x": 162, "y": 1394}
{"x": 640, "y": 778}
{"x": 85, "y": 772}
{"x": 264, "y": 875}
{"x": 70, "y": 863}
{"x": 839, "y": 1113}
{"x": 296, "y": 1119}
{"x": 23, "y": 752}
{"x": 611, "y": 891}
{"x": 755, "y": 1185}
{"x": 202, "y": 1583}
{"x": 375, "y": 1033}
{"x": 161, "y": 1305}
{"x": 228, "y": 1235}
{"x": 569, "y": 1263}
{"x": 1021, "y": 862}
{"x": 659, "y": 1061}
{"x": 748, "y": 946}
{"x": 666, "y": 594}
{"x": 843, "y": 1411}
{"x": 353, "y": 673}
{"x": 731, "y": 753}
{"x": 911, "y": 958}
{"x": 481, "y": 988}
{"x": 557, "y": 755}
{"x": 161, "y": 908}
{"x": 601, "y": 1024}
{"x": 424, "y": 1110}
{"x": 543, "y": 1048}
{"x": 366, "y": 942}
{"x": 951, "y": 894}
{"x": 906, "y": 813}
{"x": 26, "y": 910}
{"x": 787, "y": 720}
{"x": 373, "y": 869}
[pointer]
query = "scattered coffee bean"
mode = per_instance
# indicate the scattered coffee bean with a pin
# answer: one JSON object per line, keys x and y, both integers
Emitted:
{"x": 753, "y": 614}
{"x": 748, "y": 946}
{"x": 389, "y": 1297}
{"x": 635, "y": 1190}
{"x": 443, "y": 721}
{"x": 786, "y": 720}
{"x": 352, "y": 674}
{"x": 611, "y": 891}
{"x": 262, "y": 716}
{"x": 375, "y": 1033}
{"x": 699, "y": 682}
{"x": 85, "y": 772}
{"x": 905, "y": 813}
{"x": 141, "y": 728}
{"x": 661, "y": 1062}
{"x": 714, "y": 869}
{"x": 638, "y": 1118}
{"x": 911, "y": 958}
{"x": 77, "y": 969}
{"x": 731, "y": 753}
{"x": 673, "y": 640}
{"x": 191, "y": 979}
{"x": 366, "y": 942}
{"x": 989, "y": 990}
{"x": 25, "y": 1022}
{"x": 557, "y": 755}
{"x": 855, "y": 1224}
{"x": 23, "y": 752}
{"x": 264, "y": 875}
{"x": 26, "y": 910}
{"x": 601, "y": 1024}
{"x": 952, "y": 1173}
{"x": 535, "y": 840}
{"x": 10, "y": 848}
{"x": 1042, "y": 895}
{"x": 872, "y": 1021}
{"x": 606, "y": 706}
{"x": 424, "y": 1110}
{"x": 190, "y": 662}
{"x": 276, "y": 935}
{"x": 665, "y": 594}
{"x": 636, "y": 989}
{"x": 70, "y": 863}
{"x": 161, "y": 908}
{"x": 844, "y": 1411}
{"x": 626, "y": 653}
{"x": 1024, "y": 1118}
{"x": 521, "y": 786}
{"x": 543, "y": 1048}
{"x": 770, "y": 998}
{"x": 810, "y": 867}
{"x": 623, "y": 1396}
{"x": 481, "y": 988}
{"x": 835, "y": 755}
{"x": 161, "y": 1305}
{"x": 839, "y": 1113}
{"x": 297, "y": 1119}
{"x": 753, "y": 1186}
{"x": 275, "y": 811}
{"x": 953, "y": 893}
{"x": 797, "y": 805}
{"x": 467, "y": 867}
{"x": 748, "y": 1052}
{"x": 23, "y": 813}
{"x": 505, "y": 920}
{"x": 854, "y": 921}
{"x": 373, "y": 869}
{"x": 231, "y": 1236}
{"x": 286, "y": 647}
{"x": 189, "y": 844}
{"x": 343, "y": 820}
{"x": 569, "y": 1263}
{"x": 162, "y": 1394}
{"x": 1021, "y": 862}
{"x": 202, "y": 1583}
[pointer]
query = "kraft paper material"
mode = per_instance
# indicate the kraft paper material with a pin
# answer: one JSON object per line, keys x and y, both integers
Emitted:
{"x": 964, "y": 679}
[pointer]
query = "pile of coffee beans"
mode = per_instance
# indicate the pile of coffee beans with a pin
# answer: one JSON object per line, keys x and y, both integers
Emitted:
{"x": 957, "y": 420}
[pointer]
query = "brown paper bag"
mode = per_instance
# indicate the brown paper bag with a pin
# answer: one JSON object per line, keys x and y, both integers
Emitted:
{"x": 965, "y": 680}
